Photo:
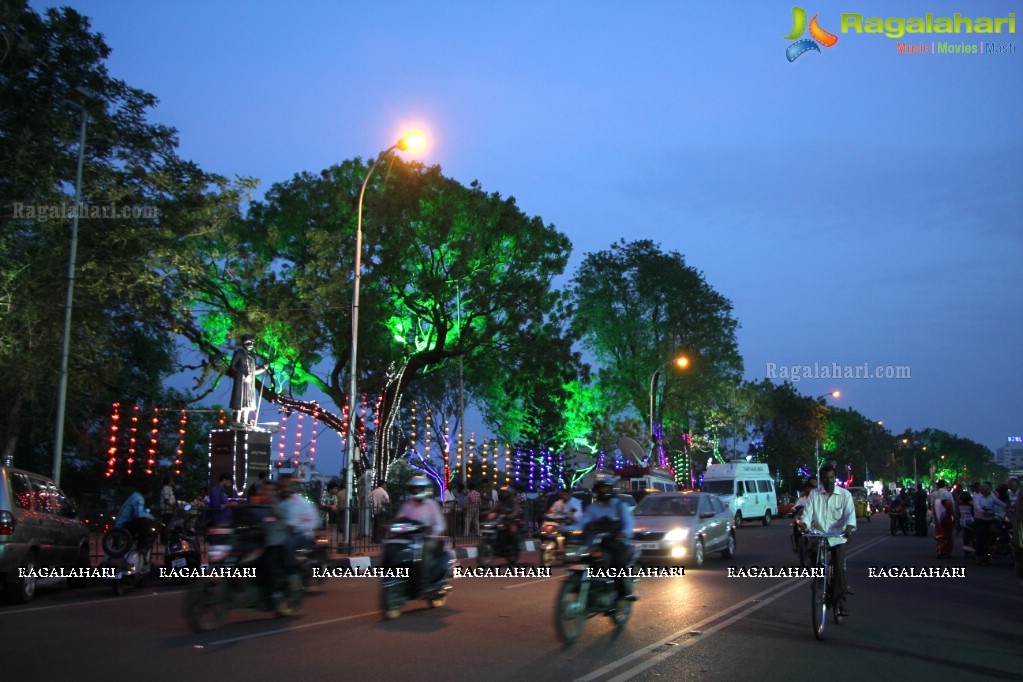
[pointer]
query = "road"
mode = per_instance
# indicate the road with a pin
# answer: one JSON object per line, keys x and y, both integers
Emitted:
{"x": 703, "y": 625}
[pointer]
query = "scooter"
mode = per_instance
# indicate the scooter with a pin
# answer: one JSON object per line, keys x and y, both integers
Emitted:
{"x": 497, "y": 540}
{"x": 131, "y": 562}
{"x": 552, "y": 539}
{"x": 181, "y": 543}
{"x": 239, "y": 565}
{"x": 584, "y": 595}
{"x": 403, "y": 552}
{"x": 999, "y": 540}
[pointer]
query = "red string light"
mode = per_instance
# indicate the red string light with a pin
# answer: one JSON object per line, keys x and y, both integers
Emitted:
{"x": 115, "y": 418}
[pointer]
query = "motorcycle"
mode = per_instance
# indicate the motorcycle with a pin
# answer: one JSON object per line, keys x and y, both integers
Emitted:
{"x": 999, "y": 539}
{"x": 131, "y": 562}
{"x": 238, "y": 568}
{"x": 497, "y": 540}
{"x": 583, "y": 595}
{"x": 404, "y": 550}
{"x": 312, "y": 558}
{"x": 901, "y": 519}
{"x": 181, "y": 542}
{"x": 552, "y": 539}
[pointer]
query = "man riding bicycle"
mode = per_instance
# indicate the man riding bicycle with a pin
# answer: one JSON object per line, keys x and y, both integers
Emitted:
{"x": 830, "y": 509}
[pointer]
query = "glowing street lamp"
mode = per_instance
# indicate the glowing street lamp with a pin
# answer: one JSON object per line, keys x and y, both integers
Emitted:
{"x": 682, "y": 362}
{"x": 412, "y": 140}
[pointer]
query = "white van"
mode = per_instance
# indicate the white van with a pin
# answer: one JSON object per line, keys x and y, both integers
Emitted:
{"x": 746, "y": 488}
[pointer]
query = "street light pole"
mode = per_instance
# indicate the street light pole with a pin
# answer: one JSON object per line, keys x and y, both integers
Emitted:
{"x": 682, "y": 362}
{"x": 817, "y": 439}
{"x": 409, "y": 141}
{"x": 58, "y": 440}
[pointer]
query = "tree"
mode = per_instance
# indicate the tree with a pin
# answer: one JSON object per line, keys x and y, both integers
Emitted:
{"x": 142, "y": 204}
{"x": 449, "y": 271}
{"x": 636, "y": 309}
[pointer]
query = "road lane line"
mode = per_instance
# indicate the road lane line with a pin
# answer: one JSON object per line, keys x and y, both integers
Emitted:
{"x": 294, "y": 628}
{"x": 108, "y": 600}
{"x": 766, "y": 595}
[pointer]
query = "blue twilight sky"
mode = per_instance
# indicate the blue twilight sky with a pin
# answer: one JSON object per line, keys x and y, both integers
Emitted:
{"x": 856, "y": 205}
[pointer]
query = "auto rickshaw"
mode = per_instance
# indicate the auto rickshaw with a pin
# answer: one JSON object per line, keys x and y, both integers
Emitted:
{"x": 861, "y": 502}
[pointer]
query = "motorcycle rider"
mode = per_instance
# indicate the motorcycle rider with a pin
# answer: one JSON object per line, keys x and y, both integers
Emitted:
{"x": 607, "y": 510}
{"x": 569, "y": 508}
{"x": 422, "y": 508}
{"x": 293, "y": 521}
{"x": 136, "y": 519}
{"x": 508, "y": 509}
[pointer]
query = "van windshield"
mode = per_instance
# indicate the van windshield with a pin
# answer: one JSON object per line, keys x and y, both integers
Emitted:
{"x": 719, "y": 487}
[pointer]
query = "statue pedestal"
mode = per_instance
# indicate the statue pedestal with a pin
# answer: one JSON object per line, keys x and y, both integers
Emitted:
{"x": 240, "y": 452}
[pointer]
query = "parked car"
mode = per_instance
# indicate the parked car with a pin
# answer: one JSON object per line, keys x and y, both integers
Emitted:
{"x": 38, "y": 529}
{"x": 683, "y": 528}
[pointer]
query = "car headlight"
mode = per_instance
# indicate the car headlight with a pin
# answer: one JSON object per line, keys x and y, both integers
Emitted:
{"x": 677, "y": 535}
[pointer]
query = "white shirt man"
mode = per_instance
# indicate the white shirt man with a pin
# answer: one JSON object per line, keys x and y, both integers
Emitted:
{"x": 425, "y": 511}
{"x": 830, "y": 512}
{"x": 299, "y": 513}
{"x": 571, "y": 508}
{"x": 379, "y": 499}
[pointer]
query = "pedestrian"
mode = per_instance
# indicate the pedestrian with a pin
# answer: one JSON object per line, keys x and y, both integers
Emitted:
{"x": 472, "y": 511}
{"x": 944, "y": 520}
{"x": 984, "y": 506}
{"x": 380, "y": 500}
{"x": 221, "y": 503}
{"x": 920, "y": 510}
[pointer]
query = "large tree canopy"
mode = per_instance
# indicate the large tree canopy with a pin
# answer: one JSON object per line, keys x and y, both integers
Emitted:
{"x": 638, "y": 308}
{"x": 141, "y": 203}
{"x": 449, "y": 271}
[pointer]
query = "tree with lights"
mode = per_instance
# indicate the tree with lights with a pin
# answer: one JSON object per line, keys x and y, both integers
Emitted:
{"x": 636, "y": 309}
{"x": 449, "y": 272}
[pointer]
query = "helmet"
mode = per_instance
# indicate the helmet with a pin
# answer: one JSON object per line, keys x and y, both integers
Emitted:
{"x": 504, "y": 493}
{"x": 419, "y": 487}
{"x": 603, "y": 486}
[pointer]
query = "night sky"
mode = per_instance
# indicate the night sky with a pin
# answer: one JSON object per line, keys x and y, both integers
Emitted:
{"x": 857, "y": 205}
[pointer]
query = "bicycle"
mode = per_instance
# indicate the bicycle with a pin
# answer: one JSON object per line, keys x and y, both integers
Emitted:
{"x": 820, "y": 588}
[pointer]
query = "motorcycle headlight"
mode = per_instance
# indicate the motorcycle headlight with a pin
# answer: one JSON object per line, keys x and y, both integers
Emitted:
{"x": 676, "y": 535}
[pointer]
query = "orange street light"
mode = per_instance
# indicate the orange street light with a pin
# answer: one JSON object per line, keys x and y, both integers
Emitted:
{"x": 412, "y": 140}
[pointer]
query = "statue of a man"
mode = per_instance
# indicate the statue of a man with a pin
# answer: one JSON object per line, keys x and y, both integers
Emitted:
{"x": 244, "y": 370}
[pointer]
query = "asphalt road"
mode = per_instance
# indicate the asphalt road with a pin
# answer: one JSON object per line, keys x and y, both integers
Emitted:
{"x": 703, "y": 625}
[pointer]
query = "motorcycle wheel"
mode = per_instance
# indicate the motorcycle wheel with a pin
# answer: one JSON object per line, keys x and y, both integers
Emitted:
{"x": 294, "y": 593}
{"x": 513, "y": 554}
{"x": 117, "y": 542}
{"x": 391, "y": 601}
{"x": 205, "y": 606}
{"x": 438, "y": 602}
{"x": 622, "y": 612}
{"x": 547, "y": 554}
{"x": 485, "y": 554}
{"x": 569, "y": 611}
{"x": 118, "y": 587}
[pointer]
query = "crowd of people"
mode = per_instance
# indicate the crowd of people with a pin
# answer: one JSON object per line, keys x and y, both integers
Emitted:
{"x": 954, "y": 509}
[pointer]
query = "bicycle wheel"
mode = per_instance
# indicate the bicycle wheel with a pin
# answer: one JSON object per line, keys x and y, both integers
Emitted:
{"x": 818, "y": 592}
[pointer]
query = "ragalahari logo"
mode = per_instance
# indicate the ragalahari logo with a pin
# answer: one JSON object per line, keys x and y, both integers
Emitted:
{"x": 819, "y": 35}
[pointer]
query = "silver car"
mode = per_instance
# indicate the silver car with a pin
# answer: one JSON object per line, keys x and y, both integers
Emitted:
{"x": 38, "y": 529}
{"x": 683, "y": 527}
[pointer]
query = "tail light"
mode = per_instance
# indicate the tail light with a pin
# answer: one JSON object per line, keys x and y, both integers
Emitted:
{"x": 6, "y": 523}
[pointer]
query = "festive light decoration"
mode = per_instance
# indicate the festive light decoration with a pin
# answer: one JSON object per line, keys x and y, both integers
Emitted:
{"x": 133, "y": 431}
{"x": 153, "y": 442}
{"x": 179, "y": 453}
{"x": 115, "y": 418}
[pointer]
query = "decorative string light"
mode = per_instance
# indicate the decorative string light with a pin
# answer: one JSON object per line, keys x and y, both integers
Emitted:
{"x": 115, "y": 418}
{"x": 179, "y": 453}
{"x": 153, "y": 442}
{"x": 133, "y": 431}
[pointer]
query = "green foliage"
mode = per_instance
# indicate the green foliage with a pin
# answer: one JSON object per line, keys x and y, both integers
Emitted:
{"x": 637, "y": 309}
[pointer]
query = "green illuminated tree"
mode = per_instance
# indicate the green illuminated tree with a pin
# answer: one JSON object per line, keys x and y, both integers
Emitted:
{"x": 638, "y": 308}
{"x": 449, "y": 271}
